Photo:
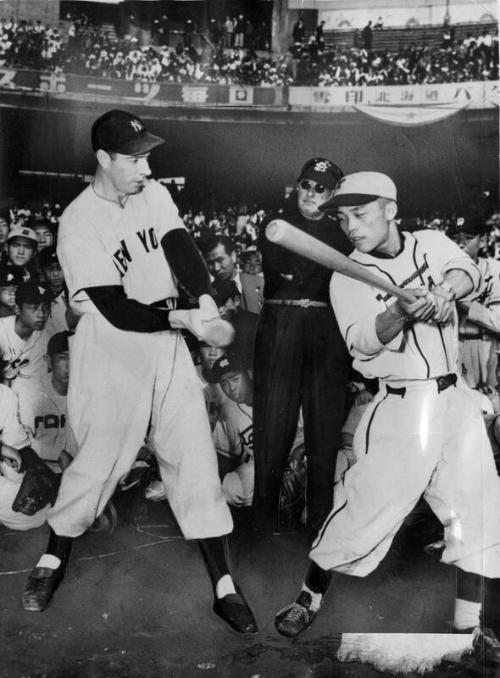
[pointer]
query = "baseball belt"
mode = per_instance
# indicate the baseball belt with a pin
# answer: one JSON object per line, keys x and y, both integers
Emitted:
{"x": 467, "y": 337}
{"x": 303, "y": 303}
{"x": 442, "y": 382}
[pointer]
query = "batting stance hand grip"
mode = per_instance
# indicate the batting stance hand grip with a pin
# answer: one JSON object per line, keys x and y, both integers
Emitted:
{"x": 291, "y": 238}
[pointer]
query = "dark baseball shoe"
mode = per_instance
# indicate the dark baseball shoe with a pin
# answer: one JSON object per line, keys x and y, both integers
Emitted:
{"x": 40, "y": 587}
{"x": 297, "y": 617}
{"x": 236, "y": 612}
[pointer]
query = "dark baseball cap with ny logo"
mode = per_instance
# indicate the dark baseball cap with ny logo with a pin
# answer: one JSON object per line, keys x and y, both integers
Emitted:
{"x": 121, "y": 132}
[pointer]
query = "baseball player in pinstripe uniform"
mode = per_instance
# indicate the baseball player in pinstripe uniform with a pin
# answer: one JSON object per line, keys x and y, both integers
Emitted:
{"x": 121, "y": 242}
{"x": 423, "y": 434}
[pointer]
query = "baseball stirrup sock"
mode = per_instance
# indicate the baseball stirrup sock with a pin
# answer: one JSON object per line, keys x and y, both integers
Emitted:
{"x": 215, "y": 554}
{"x": 468, "y": 603}
{"x": 317, "y": 580}
{"x": 58, "y": 547}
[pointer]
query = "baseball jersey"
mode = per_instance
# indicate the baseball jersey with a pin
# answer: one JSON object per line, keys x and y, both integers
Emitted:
{"x": 12, "y": 432}
{"x": 24, "y": 358}
{"x": 44, "y": 412}
{"x": 423, "y": 350}
{"x": 233, "y": 433}
{"x": 101, "y": 243}
{"x": 56, "y": 322}
{"x": 485, "y": 304}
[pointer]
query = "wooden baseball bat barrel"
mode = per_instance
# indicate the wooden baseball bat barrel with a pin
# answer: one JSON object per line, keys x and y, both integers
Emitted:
{"x": 291, "y": 238}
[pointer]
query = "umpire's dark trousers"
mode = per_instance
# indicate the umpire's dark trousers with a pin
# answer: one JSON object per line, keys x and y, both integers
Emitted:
{"x": 300, "y": 360}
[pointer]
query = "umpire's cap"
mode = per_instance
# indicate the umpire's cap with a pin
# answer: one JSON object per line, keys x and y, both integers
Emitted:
{"x": 322, "y": 171}
{"x": 121, "y": 132}
{"x": 361, "y": 188}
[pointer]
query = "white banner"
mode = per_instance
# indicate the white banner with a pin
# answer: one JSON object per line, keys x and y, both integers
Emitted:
{"x": 418, "y": 97}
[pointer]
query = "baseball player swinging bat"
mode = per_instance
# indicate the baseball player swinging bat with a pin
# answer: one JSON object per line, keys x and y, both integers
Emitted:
{"x": 291, "y": 238}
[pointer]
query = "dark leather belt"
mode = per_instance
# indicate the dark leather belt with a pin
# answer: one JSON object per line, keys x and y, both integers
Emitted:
{"x": 169, "y": 304}
{"x": 303, "y": 303}
{"x": 443, "y": 383}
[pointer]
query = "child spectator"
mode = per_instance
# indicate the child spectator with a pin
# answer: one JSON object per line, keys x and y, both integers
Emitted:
{"x": 21, "y": 248}
{"x": 61, "y": 316}
{"x": 44, "y": 234}
{"x": 23, "y": 340}
{"x": 10, "y": 279}
{"x": 43, "y": 407}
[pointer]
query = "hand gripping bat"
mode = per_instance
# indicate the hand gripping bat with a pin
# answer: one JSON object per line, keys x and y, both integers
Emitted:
{"x": 291, "y": 238}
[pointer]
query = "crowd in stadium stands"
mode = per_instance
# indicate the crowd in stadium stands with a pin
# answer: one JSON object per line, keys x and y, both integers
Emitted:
{"x": 85, "y": 49}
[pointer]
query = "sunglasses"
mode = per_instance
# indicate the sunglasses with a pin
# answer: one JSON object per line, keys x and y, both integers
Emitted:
{"x": 307, "y": 185}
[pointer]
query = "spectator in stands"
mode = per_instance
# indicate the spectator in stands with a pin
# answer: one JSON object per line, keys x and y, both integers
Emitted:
{"x": 220, "y": 255}
{"x": 10, "y": 279}
{"x": 23, "y": 340}
{"x": 239, "y": 31}
{"x": 379, "y": 25}
{"x": 228, "y": 300}
{"x": 188, "y": 32}
{"x": 43, "y": 408}
{"x": 299, "y": 31}
{"x": 21, "y": 248}
{"x": 367, "y": 36}
{"x": 228, "y": 32}
{"x": 319, "y": 35}
{"x": 44, "y": 234}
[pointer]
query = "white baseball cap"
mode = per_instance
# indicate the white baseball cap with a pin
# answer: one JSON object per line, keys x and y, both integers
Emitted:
{"x": 360, "y": 188}
{"x": 22, "y": 232}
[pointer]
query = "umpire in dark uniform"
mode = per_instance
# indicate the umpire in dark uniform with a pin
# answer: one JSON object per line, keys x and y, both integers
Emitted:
{"x": 300, "y": 357}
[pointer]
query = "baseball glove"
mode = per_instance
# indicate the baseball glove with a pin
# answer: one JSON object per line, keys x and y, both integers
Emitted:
{"x": 39, "y": 486}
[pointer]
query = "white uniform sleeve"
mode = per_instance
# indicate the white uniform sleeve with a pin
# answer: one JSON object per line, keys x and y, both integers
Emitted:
{"x": 356, "y": 309}
{"x": 84, "y": 260}
{"x": 487, "y": 314}
{"x": 164, "y": 205}
{"x": 452, "y": 257}
{"x": 13, "y": 433}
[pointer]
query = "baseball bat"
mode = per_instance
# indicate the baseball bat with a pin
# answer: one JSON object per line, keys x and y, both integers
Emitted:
{"x": 291, "y": 238}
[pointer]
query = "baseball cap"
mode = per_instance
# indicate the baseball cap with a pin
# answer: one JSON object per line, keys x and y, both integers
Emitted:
{"x": 322, "y": 171}
{"x": 469, "y": 222}
{"x": 47, "y": 256}
{"x": 22, "y": 232}
{"x": 360, "y": 188}
{"x": 31, "y": 293}
{"x": 10, "y": 275}
{"x": 227, "y": 363}
{"x": 224, "y": 290}
{"x": 58, "y": 343}
{"x": 121, "y": 132}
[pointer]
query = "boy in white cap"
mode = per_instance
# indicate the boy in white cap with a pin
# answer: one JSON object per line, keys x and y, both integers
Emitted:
{"x": 423, "y": 434}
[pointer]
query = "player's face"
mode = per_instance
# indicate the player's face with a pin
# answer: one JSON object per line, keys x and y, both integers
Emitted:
{"x": 60, "y": 367}
{"x": 310, "y": 195}
{"x": 55, "y": 277}
{"x": 366, "y": 226}
{"x": 8, "y": 296}
{"x": 236, "y": 385}
{"x": 209, "y": 354}
{"x": 469, "y": 243}
{"x": 220, "y": 263}
{"x": 44, "y": 237}
{"x": 21, "y": 251}
{"x": 128, "y": 173}
{"x": 34, "y": 316}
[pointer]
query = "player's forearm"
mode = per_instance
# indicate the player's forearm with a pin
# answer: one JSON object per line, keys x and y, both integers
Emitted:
{"x": 186, "y": 262}
{"x": 487, "y": 318}
{"x": 389, "y": 324}
{"x": 127, "y": 314}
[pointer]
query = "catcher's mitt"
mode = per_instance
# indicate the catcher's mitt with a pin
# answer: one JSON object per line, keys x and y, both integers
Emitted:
{"x": 39, "y": 486}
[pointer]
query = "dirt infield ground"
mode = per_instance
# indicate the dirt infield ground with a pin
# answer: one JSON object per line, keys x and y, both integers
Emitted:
{"x": 137, "y": 604}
